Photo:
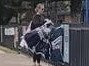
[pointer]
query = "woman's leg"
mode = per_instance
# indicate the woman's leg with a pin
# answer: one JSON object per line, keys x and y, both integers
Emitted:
{"x": 34, "y": 59}
{"x": 38, "y": 59}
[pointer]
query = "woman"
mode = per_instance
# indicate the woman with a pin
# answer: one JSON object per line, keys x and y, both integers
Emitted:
{"x": 37, "y": 21}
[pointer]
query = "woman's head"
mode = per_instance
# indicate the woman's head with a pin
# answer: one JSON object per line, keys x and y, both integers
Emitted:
{"x": 39, "y": 8}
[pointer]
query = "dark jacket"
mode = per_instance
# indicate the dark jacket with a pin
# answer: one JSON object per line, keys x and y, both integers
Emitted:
{"x": 37, "y": 21}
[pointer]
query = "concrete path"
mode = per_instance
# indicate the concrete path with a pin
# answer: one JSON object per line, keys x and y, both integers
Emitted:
{"x": 14, "y": 59}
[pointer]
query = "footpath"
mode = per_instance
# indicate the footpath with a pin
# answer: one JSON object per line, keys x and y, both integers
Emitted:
{"x": 12, "y": 58}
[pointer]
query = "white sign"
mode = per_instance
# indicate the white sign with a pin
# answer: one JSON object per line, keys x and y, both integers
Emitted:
{"x": 9, "y": 31}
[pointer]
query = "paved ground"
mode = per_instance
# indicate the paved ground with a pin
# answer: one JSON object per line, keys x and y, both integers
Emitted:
{"x": 14, "y": 59}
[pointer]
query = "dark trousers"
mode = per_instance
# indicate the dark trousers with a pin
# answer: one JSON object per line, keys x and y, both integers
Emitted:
{"x": 36, "y": 57}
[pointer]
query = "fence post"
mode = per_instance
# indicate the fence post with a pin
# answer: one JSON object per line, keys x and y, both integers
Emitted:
{"x": 1, "y": 34}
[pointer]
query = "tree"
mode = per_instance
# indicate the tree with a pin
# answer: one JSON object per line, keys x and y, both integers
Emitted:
{"x": 76, "y": 6}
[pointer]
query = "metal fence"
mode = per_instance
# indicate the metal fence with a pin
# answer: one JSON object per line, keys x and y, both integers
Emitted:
{"x": 79, "y": 55}
{"x": 78, "y": 42}
{"x": 9, "y": 36}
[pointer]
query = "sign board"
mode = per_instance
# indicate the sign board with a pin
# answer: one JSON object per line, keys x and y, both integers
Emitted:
{"x": 9, "y": 31}
{"x": 57, "y": 44}
{"x": 60, "y": 44}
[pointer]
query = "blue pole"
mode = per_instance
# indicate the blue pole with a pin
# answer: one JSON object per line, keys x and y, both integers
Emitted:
{"x": 86, "y": 17}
